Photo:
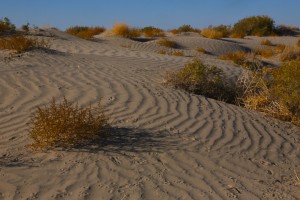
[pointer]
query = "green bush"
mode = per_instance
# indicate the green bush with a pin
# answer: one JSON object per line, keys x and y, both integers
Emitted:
{"x": 255, "y": 25}
{"x": 65, "y": 125}
{"x": 6, "y": 25}
{"x": 200, "y": 79}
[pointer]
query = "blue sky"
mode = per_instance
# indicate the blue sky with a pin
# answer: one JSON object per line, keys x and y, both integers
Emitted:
{"x": 165, "y": 14}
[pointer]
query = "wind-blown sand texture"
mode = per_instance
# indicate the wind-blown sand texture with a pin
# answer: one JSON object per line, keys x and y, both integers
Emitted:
{"x": 163, "y": 143}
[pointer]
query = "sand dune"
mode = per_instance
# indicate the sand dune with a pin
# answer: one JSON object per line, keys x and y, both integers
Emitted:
{"x": 163, "y": 143}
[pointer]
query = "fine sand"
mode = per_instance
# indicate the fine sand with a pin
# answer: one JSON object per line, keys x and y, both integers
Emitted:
{"x": 163, "y": 143}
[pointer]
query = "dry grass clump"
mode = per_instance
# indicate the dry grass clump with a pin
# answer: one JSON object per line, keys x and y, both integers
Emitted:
{"x": 265, "y": 53}
{"x": 85, "y": 32}
{"x": 201, "y": 50}
{"x": 177, "y": 53}
{"x": 238, "y": 57}
{"x": 289, "y": 53}
{"x": 162, "y": 52}
{"x": 21, "y": 44}
{"x": 298, "y": 43}
{"x": 123, "y": 30}
{"x": 266, "y": 42}
{"x": 212, "y": 33}
{"x": 166, "y": 43}
{"x": 279, "y": 48}
{"x": 200, "y": 79}
{"x": 151, "y": 31}
{"x": 275, "y": 92}
{"x": 65, "y": 125}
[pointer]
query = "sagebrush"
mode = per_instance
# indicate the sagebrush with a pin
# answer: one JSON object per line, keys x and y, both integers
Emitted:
{"x": 201, "y": 79}
{"x": 66, "y": 125}
{"x": 19, "y": 43}
{"x": 85, "y": 32}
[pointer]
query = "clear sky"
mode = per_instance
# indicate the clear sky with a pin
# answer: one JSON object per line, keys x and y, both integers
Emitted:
{"x": 165, "y": 14}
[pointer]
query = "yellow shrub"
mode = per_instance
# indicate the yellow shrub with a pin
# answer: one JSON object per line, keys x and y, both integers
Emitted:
{"x": 152, "y": 32}
{"x": 84, "y": 31}
{"x": 298, "y": 43}
{"x": 167, "y": 43}
{"x": 238, "y": 57}
{"x": 265, "y": 53}
{"x": 162, "y": 52}
{"x": 275, "y": 92}
{"x": 177, "y": 53}
{"x": 289, "y": 53}
{"x": 266, "y": 42}
{"x": 279, "y": 48}
{"x": 201, "y": 50}
{"x": 123, "y": 30}
{"x": 20, "y": 43}
{"x": 65, "y": 125}
{"x": 212, "y": 33}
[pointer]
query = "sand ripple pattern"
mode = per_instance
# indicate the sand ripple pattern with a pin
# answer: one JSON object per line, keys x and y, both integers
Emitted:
{"x": 163, "y": 144}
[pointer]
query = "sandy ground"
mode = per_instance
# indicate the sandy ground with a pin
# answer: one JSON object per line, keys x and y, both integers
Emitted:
{"x": 163, "y": 143}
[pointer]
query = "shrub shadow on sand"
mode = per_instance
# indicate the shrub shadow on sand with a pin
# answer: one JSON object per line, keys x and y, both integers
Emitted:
{"x": 129, "y": 140}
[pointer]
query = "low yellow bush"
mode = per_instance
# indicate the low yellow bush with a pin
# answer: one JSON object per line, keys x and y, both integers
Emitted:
{"x": 65, "y": 125}
{"x": 266, "y": 42}
{"x": 298, "y": 43}
{"x": 238, "y": 57}
{"x": 265, "y": 53}
{"x": 279, "y": 48}
{"x": 167, "y": 43}
{"x": 201, "y": 50}
{"x": 20, "y": 44}
{"x": 151, "y": 31}
{"x": 177, "y": 53}
{"x": 212, "y": 33}
{"x": 275, "y": 92}
{"x": 84, "y": 31}
{"x": 289, "y": 53}
{"x": 123, "y": 30}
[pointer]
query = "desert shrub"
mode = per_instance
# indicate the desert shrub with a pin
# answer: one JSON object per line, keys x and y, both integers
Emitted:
{"x": 238, "y": 57}
{"x": 279, "y": 48}
{"x": 177, "y": 53}
{"x": 212, "y": 33}
{"x": 25, "y": 27}
{"x": 6, "y": 25}
{"x": 200, "y": 79}
{"x": 167, "y": 43}
{"x": 186, "y": 28}
{"x": 162, "y": 52}
{"x": 65, "y": 125}
{"x": 275, "y": 92}
{"x": 298, "y": 43}
{"x": 84, "y": 31}
{"x": 183, "y": 29}
{"x": 123, "y": 30}
{"x": 151, "y": 31}
{"x": 286, "y": 30}
{"x": 265, "y": 53}
{"x": 289, "y": 53}
{"x": 266, "y": 42}
{"x": 20, "y": 44}
{"x": 201, "y": 50}
{"x": 255, "y": 25}
{"x": 216, "y": 32}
